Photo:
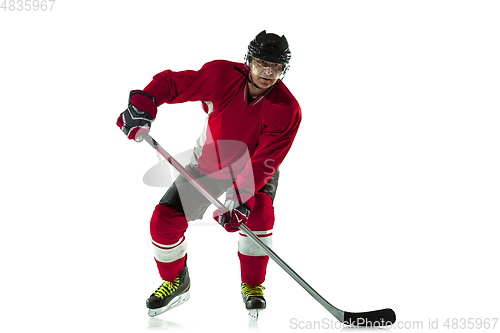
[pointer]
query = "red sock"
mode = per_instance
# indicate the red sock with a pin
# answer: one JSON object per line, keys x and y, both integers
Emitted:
{"x": 168, "y": 226}
{"x": 253, "y": 269}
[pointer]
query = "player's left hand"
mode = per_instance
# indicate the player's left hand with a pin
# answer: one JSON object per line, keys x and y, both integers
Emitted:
{"x": 239, "y": 203}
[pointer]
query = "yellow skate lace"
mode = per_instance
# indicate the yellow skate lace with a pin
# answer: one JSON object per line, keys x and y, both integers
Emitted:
{"x": 166, "y": 288}
{"x": 252, "y": 291}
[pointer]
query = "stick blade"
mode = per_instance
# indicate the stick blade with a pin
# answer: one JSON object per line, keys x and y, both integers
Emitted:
{"x": 376, "y": 318}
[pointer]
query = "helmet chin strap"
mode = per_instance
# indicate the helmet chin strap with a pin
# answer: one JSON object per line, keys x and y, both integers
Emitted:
{"x": 251, "y": 81}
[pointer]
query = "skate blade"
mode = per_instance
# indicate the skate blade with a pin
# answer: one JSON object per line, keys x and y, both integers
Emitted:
{"x": 181, "y": 299}
{"x": 254, "y": 313}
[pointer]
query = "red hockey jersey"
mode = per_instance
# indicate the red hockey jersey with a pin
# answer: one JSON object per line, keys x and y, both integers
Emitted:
{"x": 263, "y": 129}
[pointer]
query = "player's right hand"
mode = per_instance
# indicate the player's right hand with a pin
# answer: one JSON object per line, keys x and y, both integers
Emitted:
{"x": 141, "y": 112}
{"x": 133, "y": 122}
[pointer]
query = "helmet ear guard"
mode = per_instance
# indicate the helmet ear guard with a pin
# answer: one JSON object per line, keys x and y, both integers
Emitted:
{"x": 269, "y": 47}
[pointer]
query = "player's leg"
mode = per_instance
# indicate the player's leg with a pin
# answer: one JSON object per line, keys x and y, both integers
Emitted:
{"x": 253, "y": 260}
{"x": 179, "y": 205}
{"x": 167, "y": 227}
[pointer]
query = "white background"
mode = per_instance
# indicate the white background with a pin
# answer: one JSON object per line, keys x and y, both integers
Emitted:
{"x": 388, "y": 198}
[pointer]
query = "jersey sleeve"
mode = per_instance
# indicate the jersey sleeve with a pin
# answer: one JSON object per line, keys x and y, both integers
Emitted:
{"x": 179, "y": 87}
{"x": 274, "y": 143}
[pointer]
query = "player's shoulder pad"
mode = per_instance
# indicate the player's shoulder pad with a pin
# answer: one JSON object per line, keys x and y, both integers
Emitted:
{"x": 222, "y": 77}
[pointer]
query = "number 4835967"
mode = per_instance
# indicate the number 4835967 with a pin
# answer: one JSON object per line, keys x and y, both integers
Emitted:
{"x": 27, "y": 5}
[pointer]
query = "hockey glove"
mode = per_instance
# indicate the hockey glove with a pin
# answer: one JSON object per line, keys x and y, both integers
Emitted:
{"x": 239, "y": 203}
{"x": 139, "y": 115}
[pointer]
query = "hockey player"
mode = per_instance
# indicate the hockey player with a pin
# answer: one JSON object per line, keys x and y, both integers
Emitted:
{"x": 252, "y": 121}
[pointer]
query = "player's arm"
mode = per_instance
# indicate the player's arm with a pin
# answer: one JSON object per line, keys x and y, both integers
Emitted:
{"x": 166, "y": 87}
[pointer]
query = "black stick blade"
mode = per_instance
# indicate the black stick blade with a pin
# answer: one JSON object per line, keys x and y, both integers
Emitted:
{"x": 376, "y": 318}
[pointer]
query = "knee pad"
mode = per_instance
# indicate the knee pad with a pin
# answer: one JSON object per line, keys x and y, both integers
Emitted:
{"x": 167, "y": 224}
{"x": 262, "y": 215}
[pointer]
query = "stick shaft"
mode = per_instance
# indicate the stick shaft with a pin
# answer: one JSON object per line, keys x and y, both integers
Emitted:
{"x": 337, "y": 313}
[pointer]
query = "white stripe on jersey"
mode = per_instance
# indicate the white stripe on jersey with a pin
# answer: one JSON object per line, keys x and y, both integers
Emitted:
{"x": 203, "y": 137}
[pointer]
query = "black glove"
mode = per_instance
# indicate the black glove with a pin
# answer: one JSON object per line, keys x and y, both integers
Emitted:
{"x": 136, "y": 119}
{"x": 238, "y": 204}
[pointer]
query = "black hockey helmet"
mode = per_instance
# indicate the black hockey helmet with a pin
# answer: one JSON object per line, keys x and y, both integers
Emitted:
{"x": 269, "y": 47}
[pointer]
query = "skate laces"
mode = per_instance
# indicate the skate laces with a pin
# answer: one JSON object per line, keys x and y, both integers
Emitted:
{"x": 252, "y": 291}
{"x": 166, "y": 288}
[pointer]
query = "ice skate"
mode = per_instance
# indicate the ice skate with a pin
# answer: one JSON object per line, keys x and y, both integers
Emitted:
{"x": 170, "y": 294}
{"x": 253, "y": 297}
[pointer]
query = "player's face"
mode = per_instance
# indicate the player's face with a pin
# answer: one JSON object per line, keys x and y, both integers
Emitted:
{"x": 264, "y": 73}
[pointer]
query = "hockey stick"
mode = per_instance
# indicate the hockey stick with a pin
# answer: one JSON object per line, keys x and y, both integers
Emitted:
{"x": 381, "y": 317}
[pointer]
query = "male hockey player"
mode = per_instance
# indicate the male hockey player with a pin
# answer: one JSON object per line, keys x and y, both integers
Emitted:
{"x": 252, "y": 121}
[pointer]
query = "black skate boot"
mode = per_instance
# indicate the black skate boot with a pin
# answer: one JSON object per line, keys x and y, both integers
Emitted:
{"x": 170, "y": 294}
{"x": 253, "y": 297}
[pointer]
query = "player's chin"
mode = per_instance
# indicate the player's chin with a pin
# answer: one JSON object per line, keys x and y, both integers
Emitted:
{"x": 266, "y": 82}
